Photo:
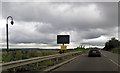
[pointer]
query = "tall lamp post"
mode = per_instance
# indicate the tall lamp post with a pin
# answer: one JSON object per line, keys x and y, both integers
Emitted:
{"x": 7, "y": 31}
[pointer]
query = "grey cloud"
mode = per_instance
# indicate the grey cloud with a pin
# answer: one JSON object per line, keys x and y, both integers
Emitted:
{"x": 57, "y": 19}
{"x": 45, "y": 12}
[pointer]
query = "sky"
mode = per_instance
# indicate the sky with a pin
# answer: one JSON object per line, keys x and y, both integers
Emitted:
{"x": 37, "y": 24}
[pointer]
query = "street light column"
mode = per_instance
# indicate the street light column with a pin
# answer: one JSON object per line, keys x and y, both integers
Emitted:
{"x": 7, "y": 31}
{"x": 7, "y": 38}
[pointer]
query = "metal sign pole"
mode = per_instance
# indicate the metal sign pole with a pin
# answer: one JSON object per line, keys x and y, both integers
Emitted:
{"x": 7, "y": 31}
{"x": 7, "y": 38}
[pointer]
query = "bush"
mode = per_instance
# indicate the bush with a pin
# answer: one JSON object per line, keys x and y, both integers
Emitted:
{"x": 114, "y": 50}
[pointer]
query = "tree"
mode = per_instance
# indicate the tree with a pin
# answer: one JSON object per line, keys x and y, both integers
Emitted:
{"x": 113, "y": 43}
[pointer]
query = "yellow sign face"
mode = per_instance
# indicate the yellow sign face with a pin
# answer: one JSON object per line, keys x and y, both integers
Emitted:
{"x": 63, "y": 47}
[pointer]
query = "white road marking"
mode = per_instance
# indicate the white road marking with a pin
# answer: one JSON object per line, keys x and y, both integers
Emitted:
{"x": 112, "y": 61}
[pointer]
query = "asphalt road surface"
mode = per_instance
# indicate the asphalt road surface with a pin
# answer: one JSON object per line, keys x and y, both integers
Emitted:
{"x": 85, "y": 63}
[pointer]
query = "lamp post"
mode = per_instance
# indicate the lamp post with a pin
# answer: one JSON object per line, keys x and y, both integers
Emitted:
{"x": 7, "y": 31}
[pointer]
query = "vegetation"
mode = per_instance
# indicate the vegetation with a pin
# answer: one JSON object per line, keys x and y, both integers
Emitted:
{"x": 112, "y": 45}
{"x": 82, "y": 49}
{"x": 25, "y": 54}
{"x": 38, "y": 65}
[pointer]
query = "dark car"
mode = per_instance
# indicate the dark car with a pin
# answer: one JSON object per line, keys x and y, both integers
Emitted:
{"x": 94, "y": 52}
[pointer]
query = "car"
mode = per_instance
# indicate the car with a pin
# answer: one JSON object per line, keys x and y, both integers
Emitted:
{"x": 94, "y": 52}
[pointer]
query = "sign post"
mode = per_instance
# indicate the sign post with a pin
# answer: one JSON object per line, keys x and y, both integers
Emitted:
{"x": 63, "y": 39}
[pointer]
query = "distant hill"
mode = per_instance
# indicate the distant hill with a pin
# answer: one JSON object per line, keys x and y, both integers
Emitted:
{"x": 13, "y": 49}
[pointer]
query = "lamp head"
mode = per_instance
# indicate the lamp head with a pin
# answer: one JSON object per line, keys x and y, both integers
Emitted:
{"x": 12, "y": 22}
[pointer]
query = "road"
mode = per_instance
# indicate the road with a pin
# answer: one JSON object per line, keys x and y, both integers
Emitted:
{"x": 107, "y": 63}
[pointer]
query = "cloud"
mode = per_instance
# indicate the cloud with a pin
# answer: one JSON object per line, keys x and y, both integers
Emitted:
{"x": 41, "y": 22}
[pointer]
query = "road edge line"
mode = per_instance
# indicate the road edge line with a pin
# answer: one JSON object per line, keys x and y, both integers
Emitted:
{"x": 112, "y": 61}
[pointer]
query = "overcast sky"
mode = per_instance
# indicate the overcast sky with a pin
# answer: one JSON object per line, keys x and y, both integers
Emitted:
{"x": 37, "y": 24}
